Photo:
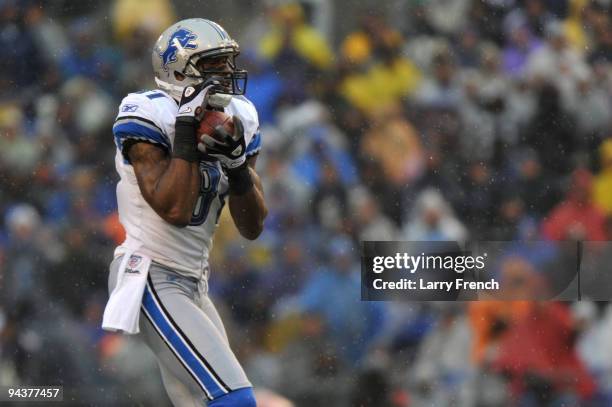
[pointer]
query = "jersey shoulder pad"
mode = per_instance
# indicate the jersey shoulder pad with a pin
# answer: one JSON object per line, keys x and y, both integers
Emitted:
{"x": 244, "y": 108}
{"x": 139, "y": 119}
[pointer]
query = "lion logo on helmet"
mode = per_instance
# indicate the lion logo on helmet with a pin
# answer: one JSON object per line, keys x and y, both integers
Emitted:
{"x": 180, "y": 40}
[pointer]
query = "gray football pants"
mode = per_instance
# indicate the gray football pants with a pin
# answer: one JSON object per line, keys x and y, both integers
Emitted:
{"x": 180, "y": 324}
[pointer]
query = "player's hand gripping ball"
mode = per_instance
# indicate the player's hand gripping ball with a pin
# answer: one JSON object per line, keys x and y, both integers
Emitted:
{"x": 222, "y": 137}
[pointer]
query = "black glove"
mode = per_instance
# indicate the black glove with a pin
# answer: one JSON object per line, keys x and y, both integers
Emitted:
{"x": 230, "y": 150}
{"x": 190, "y": 112}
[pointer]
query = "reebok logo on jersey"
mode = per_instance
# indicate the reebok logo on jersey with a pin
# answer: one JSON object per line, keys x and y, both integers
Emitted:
{"x": 129, "y": 108}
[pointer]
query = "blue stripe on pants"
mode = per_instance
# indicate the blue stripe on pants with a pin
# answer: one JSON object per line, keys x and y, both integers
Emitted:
{"x": 178, "y": 346}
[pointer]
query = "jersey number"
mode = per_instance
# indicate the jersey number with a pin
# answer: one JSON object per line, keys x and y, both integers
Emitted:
{"x": 208, "y": 191}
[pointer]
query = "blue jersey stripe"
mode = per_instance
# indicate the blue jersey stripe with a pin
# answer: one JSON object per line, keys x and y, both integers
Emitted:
{"x": 131, "y": 118}
{"x": 133, "y": 130}
{"x": 254, "y": 145}
{"x": 156, "y": 95}
{"x": 173, "y": 339}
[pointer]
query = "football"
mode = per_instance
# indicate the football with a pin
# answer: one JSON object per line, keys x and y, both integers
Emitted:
{"x": 212, "y": 119}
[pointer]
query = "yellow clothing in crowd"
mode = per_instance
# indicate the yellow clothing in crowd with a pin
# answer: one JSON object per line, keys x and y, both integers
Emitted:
{"x": 602, "y": 185}
{"x": 304, "y": 40}
{"x": 153, "y": 15}
{"x": 381, "y": 85}
{"x": 602, "y": 191}
{"x": 573, "y": 26}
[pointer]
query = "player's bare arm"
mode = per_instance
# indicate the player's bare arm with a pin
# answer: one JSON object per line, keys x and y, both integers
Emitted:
{"x": 249, "y": 209}
{"x": 169, "y": 185}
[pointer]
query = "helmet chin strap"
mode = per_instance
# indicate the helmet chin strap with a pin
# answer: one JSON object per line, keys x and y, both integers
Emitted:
{"x": 173, "y": 90}
{"x": 217, "y": 100}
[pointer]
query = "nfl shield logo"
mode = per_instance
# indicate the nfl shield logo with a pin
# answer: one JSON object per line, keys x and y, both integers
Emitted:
{"x": 134, "y": 261}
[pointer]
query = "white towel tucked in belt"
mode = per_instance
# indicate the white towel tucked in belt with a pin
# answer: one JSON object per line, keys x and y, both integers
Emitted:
{"x": 123, "y": 307}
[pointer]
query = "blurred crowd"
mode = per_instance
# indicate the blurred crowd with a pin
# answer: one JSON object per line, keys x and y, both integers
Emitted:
{"x": 422, "y": 120}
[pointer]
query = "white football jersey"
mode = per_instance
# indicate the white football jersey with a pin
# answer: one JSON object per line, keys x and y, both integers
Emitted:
{"x": 150, "y": 116}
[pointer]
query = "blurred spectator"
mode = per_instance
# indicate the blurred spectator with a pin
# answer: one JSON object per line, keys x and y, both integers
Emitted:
{"x": 576, "y": 217}
{"x": 534, "y": 184}
{"x": 478, "y": 198}
{"x": 490, "y": 321}
{"x": 124, "y": 358}
{"x": 16, "y": 67}
{"x": 439, "y": 175}
{"x": 592, "y": 109}
{"x": 133, "y": 74}
{"x": 547, "y": 369}
{"x": 484, "y": 112}
{"x": 373, "y": 387}
{"x": 265, "y": 87}
{"x": 292, "y": 34}
{"x": 556, "y": 61}
{"x": 369, "y": 222}
{"x": 18, "y": 153}
{"x": 25, "y": 267}
{"x": 371, "y": 42}
{"x": 316, "y": 375}
{"x": 330, "y": 200}
{"x": 322, "y": 157}
{"x": 536, "y": 16}
{"x": 603, "y": 50}
{"x": 78, "y": 270}
{"x": 84, "y": 60}
{"x": 132, "y": 16}
{"x": 375, "y": 74}
{"x": 48, "y": 35}
{"x": 295, "y": 49}
{"x": 332, "y": 294}
{"x": 602, "y": 185}
{"x": 468, "y": 49}
{"x": 595, "y": 322}
{"x": 447, "y": 17}
{"x": 528, "y": 245}
{"x": 432, "y": 219}
{"x": 84, "y": 111}
{"x": 551, "y": 132}
{"x": 442, "y": 90}
{"x": 393, "y": 143}
{"x": 511, "y": 213}
{"x": 520, "y": 45}
{"x": 443, "y": 374}
{"x": 576, "y": 24}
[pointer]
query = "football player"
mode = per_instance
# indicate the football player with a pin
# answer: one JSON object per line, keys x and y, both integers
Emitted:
{"x": 172, "y": 190}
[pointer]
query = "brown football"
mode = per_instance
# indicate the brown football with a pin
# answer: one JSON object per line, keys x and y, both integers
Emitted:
{"x": 212, "y": 119}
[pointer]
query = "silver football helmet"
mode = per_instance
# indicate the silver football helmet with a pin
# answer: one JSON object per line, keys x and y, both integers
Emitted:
{"x": 180, "y": 54}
